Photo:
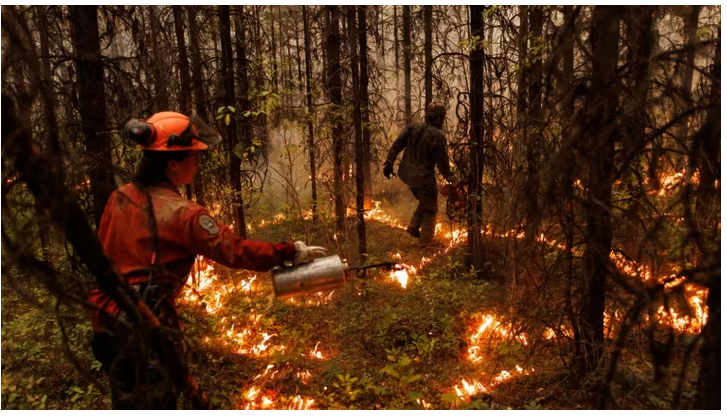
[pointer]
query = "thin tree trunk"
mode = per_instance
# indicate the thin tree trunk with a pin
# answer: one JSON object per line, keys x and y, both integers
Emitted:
{"x": 297, "y": 52}
{"x": 690, "y": 38}
{"x": 522, "y": 84}
{"x": 333, "y": 44}
{"x": 51, "y": 124}
{"x": 533, "y": 129}
{"x": 92, "y": 97}
{"x": 185, "y": 93}
{"x": 602, "y": 129}
{"x": 567, "y": 180}
{"x": 364, "y": 91}
{"x": 428, "y": 54}
{"x": 407, "y": 65}
{"x": 228, "y": 78}
{"x": 198, "y": 90}
{"x": 477, "y": 55}
{"x": 309, "y": 100}
{"x": 358, "y": 140}
{"x": 708, "y": 212}
{"x": 273, "y": 50}
{"x": 161, "y": 95}
{"x": 396, "y": 46}
{"x": 242, "y": 79}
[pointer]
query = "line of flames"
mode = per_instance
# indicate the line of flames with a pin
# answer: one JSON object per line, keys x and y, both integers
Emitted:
{"x": 255, "y": 342}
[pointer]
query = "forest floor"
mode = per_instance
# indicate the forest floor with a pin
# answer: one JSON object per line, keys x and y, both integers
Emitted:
{"x": 435, "y": 343}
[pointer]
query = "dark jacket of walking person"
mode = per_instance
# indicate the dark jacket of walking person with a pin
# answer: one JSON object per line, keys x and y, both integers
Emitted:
{"x": 424, "y": 147}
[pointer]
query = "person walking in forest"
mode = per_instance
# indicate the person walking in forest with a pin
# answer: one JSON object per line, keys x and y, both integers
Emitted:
{"x": 424, "y": 147}
{"x": 152, "y": 236}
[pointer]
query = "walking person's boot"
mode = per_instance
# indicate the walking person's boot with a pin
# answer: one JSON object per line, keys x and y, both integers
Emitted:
{"x": 429, "y": 221}
{"x": 415, "y": 223}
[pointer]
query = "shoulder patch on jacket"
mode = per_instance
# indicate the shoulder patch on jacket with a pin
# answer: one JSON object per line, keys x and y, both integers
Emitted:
{"x": 208, "y": 224}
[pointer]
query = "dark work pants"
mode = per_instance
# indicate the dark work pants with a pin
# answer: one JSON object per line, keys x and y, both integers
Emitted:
{"x": 139, "y": 379}
{"x": 425, "y": 216}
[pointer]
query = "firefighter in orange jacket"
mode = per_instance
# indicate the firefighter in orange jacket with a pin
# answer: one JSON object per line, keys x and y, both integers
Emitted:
{"x": 154, "y": 254}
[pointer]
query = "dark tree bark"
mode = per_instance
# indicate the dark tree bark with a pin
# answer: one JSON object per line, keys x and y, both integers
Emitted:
{"x": 185, "y": 94}
{"x": 407, "y": 64}
{"x": 364, "y": 91}
{"x": 309, "y": 101}
{"x": 477, "y": 55}
{"x": 228, "y": 78}
{"x": 358, "y": 140}
{"x": 533, "y": 129}
{"x": 261, "y": 125}
{"x": 522, "y": 82}
{"x": 639, "y": 26}
{"x": 396, "y": 45}
{"x": 273, "y": 50}
{"x": 242, "y": 79}
{"x": 297, "y": 52}
{"x": 690, "y": 38}
{"x": 602, "y": 131}
{"x": 198, "y": 90}
{"x": 428, "y": 54}
{"x": 51, "y": 124}
{"x": 333, "y": 45}
{"x": 185, "y": 90}
{"x": 567, "y": 105}
{"x": 707, "y": 212}
{"x": 92, "y": 98}
{"x": 161, "y": 94}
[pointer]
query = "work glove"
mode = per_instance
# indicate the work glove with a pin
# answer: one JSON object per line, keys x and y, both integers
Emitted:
{"x": 388, "y": 170}
{"x": 305, "y": 253}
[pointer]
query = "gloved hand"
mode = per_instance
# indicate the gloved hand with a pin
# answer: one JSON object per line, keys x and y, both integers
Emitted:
{"x": 305, "y": 253}
{"x": 388, "y": 170}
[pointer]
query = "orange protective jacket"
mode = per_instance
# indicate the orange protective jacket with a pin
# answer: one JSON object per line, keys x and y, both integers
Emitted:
{"x": 184, "y": 229}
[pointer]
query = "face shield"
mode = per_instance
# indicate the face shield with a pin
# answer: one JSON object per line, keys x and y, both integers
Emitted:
{"x": 204, "y": 132}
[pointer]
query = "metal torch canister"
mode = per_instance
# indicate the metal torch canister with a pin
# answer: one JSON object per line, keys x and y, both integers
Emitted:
{"x": 322, "y": 274}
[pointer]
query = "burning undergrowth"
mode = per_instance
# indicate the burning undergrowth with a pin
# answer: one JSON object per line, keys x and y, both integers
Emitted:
{"x": 417, "y": 337}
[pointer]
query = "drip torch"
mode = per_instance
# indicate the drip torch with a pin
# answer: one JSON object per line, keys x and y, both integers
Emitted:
{"x": 322, "y": 274}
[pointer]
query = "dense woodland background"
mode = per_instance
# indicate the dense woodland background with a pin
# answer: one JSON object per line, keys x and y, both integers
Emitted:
{"x": 585, "y": 139}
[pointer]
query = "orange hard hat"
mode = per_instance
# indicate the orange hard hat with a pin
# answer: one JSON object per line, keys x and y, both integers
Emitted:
{"x": 172, "y": 131}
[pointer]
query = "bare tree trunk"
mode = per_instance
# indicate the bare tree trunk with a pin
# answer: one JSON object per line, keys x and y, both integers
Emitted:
{"x": 396, "y": 45}
{"x": 161, "y": 94}
{"x": 567, "y": 180}
{"x": 242, "y": 79}
{"x": 407, "y": 65}
{"x": 364, "y": 91}
{"x": 333, "y": 45}
{"x": 707, "y": 212}
{"x": 92, "y": 97}
{"x": 185, "y": 90}
{"x": 428, "y": 54}
{"x": 602, "y": 129}
{"x": 690, "y": 38}
{"x": 51, "y": 124}
{"x": 640, "y": 24}
{"x": 533, "y": 129}
{"x": 228, "y": 78}
{"x": 309, "y": 99}
{"x": 273, "y": 50}
{"x": 297, "y": 52}
{"x": 477, "y": 55}
{"x": 522, "y": 84}
{"x": 198, "y": 90}
{"x": 358, "y": 140}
